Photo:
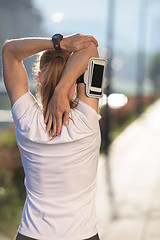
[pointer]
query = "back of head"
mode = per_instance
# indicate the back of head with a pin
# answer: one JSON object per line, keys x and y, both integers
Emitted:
{"x": 51, "y": 66}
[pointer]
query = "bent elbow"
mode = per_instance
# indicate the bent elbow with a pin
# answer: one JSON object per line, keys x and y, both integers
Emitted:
{"x": 92, "y": 51}
{"x": 7, "y": 48}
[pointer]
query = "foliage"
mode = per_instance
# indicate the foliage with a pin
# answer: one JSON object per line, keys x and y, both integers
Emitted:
{"x": 12, "y": 191}
{"x": 12, "y": 197}
{"x": 4, "y": 101}
{"x": 8, "y": 138}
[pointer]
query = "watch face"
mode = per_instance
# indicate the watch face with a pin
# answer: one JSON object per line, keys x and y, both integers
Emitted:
{"x": 56, "y": 40}
{"x": 57, "y": 36}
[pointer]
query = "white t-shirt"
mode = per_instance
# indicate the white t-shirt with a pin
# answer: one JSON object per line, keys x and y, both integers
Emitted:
{"x": 60, "y": 174}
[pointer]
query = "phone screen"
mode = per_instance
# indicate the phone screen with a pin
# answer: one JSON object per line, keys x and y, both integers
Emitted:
{"x": 97, "y": 76}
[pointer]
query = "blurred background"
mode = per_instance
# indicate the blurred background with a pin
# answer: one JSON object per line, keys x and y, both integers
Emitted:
{"x": 128, "y": 33}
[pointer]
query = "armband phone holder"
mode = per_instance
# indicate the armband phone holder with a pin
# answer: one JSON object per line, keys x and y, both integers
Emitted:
{"x": 94, "y": 77}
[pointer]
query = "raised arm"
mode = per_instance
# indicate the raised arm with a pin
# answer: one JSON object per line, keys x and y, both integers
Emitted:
{"x": 59, "y": 108}
{"x": 16, "y": 50}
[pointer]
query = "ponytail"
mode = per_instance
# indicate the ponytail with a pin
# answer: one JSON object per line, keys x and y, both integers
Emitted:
{"x": 51, "y": 65}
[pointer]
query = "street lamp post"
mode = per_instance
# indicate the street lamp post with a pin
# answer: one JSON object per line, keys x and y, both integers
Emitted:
{"x": 109, "y": 73}
{"x": 141, "y": 55}
{"x": 142, "y": 30}
{"x": 110, "y": 37}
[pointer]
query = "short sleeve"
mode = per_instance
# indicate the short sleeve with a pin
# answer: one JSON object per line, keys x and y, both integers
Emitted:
{"x": 22, "y": 107}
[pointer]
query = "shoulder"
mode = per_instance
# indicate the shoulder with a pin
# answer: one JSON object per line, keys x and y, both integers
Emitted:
{"x": 23, "y": 106}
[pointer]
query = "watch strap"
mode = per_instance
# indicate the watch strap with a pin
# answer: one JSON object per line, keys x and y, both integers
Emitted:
{"x": 56, "y": 39}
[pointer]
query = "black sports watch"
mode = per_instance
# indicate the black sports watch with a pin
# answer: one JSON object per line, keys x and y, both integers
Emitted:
{"x": 56, "y": 38}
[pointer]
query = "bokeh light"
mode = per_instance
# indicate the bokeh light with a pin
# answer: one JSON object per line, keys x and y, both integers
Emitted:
{"x": 57, "y": 17}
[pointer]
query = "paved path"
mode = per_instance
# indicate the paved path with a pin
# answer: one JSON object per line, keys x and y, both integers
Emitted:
{"x": 128, "y": 200}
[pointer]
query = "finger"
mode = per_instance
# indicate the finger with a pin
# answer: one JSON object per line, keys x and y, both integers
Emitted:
{"x": 83, "y": 45}
{"x": 95, "y": 42}
{"x": 54, "y": 127}
{"x": 92, "y": 39}
{"x": 89, "y": 38}
{"x": 66, "y": 118}
{"x": 86, "y": 44}
{"x": 58, "y": 126}
{"x": 46, "y": 116}
{"x": 49, "y": 124}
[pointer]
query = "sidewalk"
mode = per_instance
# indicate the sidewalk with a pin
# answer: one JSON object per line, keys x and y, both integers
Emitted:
{"x": 132, "y": 210}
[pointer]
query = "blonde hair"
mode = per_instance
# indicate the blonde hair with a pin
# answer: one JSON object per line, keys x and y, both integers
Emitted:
{"x": 51, "y": 65}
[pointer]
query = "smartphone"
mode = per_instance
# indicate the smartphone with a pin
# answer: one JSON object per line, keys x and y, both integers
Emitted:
{"x": 95, "y": 77}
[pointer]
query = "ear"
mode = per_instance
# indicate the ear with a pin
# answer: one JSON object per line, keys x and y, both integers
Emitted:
{"x": 39, "y": 77}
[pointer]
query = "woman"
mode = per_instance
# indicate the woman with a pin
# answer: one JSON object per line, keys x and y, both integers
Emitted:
{"x": 60, "y": 172}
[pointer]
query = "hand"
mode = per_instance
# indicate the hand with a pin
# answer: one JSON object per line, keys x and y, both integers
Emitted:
{"x": 77, "y": 42}
{"x": 57, "y": 112}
